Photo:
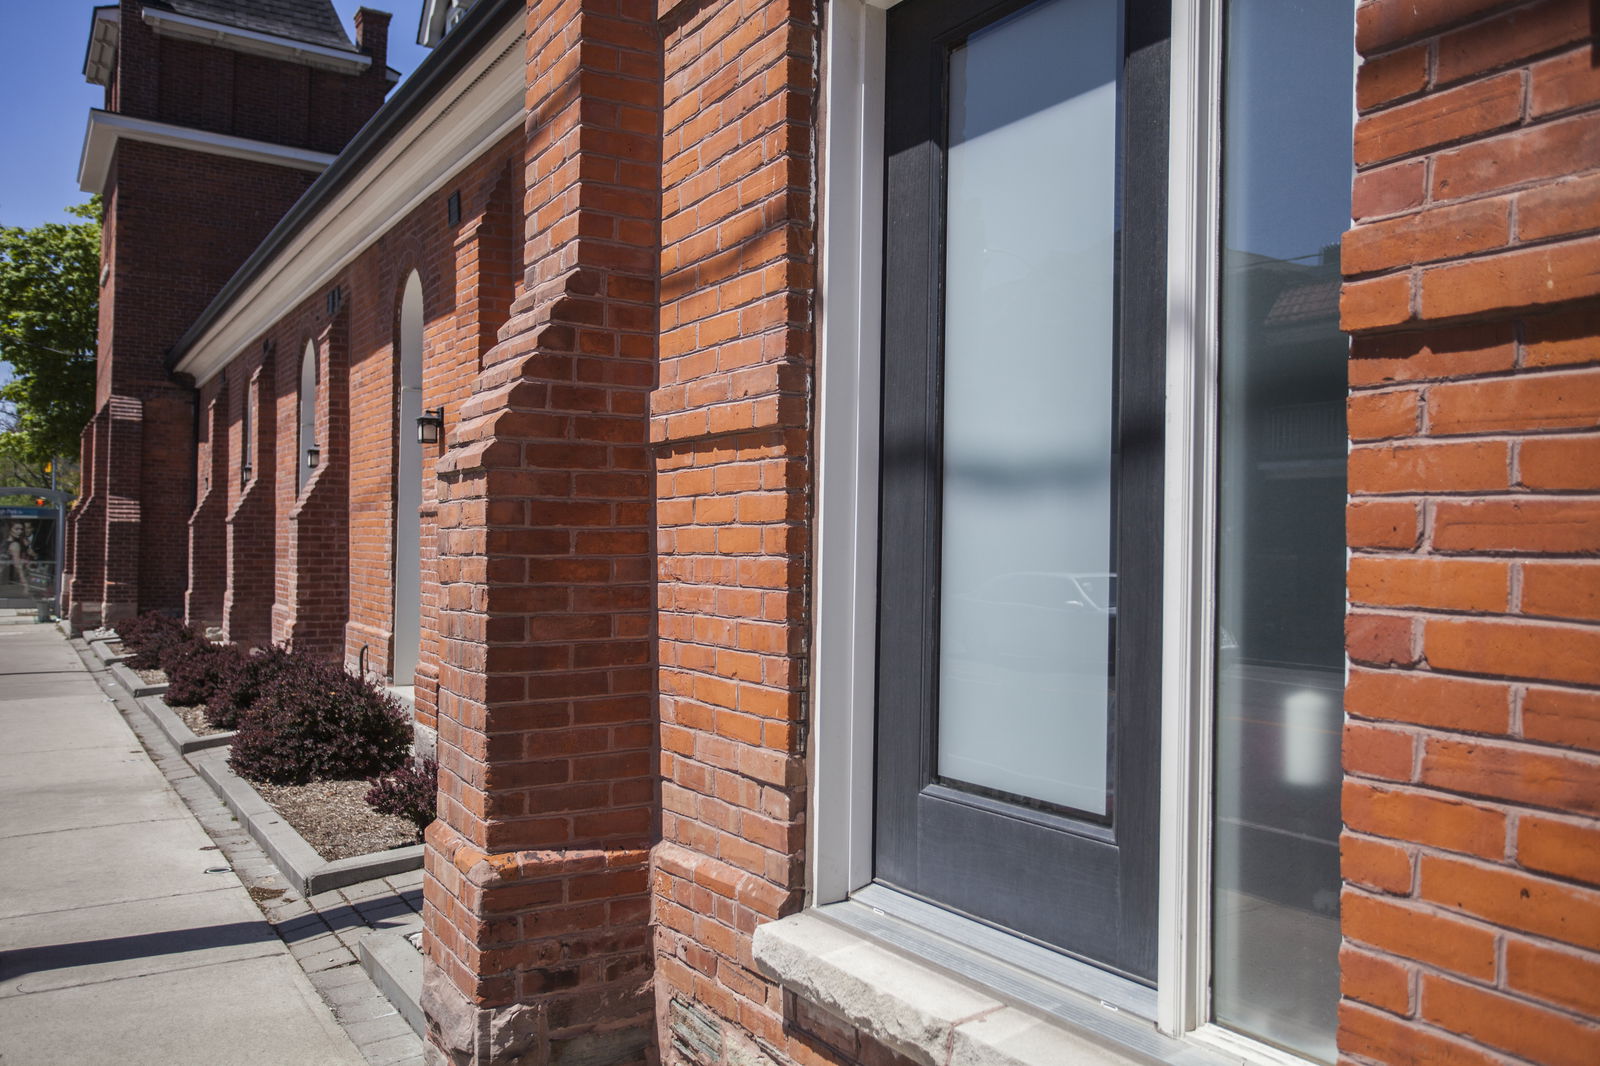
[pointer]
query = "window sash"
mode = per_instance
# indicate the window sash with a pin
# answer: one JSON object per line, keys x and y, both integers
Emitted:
{"x": 849, "y": 331}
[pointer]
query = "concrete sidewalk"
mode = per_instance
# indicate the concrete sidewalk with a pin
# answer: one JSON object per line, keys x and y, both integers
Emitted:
{"x": 124, "y": 937}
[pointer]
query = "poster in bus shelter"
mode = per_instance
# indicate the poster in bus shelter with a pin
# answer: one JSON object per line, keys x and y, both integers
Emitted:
{"x": 27, "y": 552}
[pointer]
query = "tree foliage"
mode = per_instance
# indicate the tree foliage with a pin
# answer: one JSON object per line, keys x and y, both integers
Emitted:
{"x": 49, "y": 322}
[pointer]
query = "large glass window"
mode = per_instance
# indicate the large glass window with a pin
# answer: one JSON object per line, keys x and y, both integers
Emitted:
{"x": 1280, "y": 677}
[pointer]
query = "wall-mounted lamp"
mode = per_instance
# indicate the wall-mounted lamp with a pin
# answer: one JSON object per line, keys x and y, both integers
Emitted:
{"x": 244, "y": 474}
{"x": 430, "y": 425}
{"x": 313, "y": 457}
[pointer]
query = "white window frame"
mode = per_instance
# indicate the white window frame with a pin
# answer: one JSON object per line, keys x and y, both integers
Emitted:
{"x": 846, "y": 529}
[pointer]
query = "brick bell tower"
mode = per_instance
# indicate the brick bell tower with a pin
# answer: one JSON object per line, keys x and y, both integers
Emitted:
{"x": 218, "y": 115}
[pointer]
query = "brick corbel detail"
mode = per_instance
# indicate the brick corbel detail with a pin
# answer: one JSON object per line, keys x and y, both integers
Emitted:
{"x": 208, "y": 529}
{"x": 120, "y": 489}
{"x": 537, "y": 906}
{"x": 314, "y": 593}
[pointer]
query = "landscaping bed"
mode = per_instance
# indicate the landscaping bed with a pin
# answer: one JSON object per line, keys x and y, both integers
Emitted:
{"x": 318, "y": 762}
{"x": 336, "y": 820}
{"x": 195, "y": 718}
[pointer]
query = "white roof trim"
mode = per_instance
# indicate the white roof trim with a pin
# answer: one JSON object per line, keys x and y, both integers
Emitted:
{"x": 107, "y": 128}
{"x": 104, "y": 36}
{"x": 261, "y": 44}
{"x": 482, "y": 103}
{"x": 439, "y": 17}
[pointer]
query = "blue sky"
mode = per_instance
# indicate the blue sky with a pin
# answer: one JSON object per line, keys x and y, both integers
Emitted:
{"x": 44, "y": 101}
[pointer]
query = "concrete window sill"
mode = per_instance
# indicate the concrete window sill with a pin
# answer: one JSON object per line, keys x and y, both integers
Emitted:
{"x": 934, "y": 1018}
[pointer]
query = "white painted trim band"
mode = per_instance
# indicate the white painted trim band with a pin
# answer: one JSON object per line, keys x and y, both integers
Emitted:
{"x": 270, "y": 45}
{"x": 107, "y": 128}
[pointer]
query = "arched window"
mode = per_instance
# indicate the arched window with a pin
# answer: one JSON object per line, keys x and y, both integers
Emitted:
{"x": 309, "y": 453}
{"x": 408, "y": 489}
{"x": 247, "y": 443}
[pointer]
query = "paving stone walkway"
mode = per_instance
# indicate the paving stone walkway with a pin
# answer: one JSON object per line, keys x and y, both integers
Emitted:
{"x": 139, "y": 923}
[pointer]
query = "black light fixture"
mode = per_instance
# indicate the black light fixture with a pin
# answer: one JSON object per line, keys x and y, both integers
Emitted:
{"x": 244, "y": 473}
{"x": 452, "y": 208}
{"x": 430, "y": 425}
{"x": 313, "y": 457}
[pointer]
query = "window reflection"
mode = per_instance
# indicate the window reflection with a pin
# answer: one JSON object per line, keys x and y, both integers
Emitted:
{"x": 1280, "y": 677}
{"x": 1029, "y": 362}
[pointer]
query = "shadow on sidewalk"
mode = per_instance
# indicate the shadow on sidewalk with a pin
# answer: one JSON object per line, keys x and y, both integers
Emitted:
{"x": 24, "y": 961}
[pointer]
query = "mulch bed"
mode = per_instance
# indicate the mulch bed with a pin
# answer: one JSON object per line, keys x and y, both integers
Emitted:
{"x": 152, "y": 677}
{"x": 334, "y": 818}
{"x": 195, "y": 719}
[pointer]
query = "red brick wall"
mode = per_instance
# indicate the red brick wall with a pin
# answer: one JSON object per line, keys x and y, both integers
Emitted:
{"x": 313, "y": 541}
{"x": 469, "y": 276}
{"x": 731, "y": 419}
{"x": 252, "y": 507}
{"x": 178, "y": 224}
{"x": 537, "y": 889}
{"x": 208, "y": 531}
{"x": 1472, "y": 801}
{"x": 206, "y": 87}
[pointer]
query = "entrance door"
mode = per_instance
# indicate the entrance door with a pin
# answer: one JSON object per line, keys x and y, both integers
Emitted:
{"x": 1019, "y": 624}
{"x": 408, "y": 492}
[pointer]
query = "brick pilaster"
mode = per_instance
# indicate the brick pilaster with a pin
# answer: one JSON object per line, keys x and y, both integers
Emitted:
{"x": 486, "y": 255}
{"x": 252, "y": 556}
{"x": 121, "y": 489}
{"x": 537, "y": 886}
{"x": 88, "y": 530}
{"x": 313, "y": 584}
{"x": 208, "y": 528}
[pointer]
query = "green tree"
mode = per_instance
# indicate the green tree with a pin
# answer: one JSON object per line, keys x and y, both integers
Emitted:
{"x": 49, "y": 321}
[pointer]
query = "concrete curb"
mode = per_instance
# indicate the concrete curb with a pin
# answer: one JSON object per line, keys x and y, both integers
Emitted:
{"x": 177, "y": 730}
{"x": 300, "y": 864}
{"x": 396, "y": 968}
{"x": 135, "y": 685}
{"x": 102, "y": 651}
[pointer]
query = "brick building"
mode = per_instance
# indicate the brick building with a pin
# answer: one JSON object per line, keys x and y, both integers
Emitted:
{"x": 921, "y": 532}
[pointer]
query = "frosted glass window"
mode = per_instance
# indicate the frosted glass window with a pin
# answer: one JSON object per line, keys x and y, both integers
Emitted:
{"x": 1280, "y": 588}
{"x": 1028, "y": 586}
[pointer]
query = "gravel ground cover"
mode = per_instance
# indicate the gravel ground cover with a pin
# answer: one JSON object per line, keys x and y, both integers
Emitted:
{"x": 195, "y": 719}
{"x": 334, "y": 818}
{"x": 152, "y": 677}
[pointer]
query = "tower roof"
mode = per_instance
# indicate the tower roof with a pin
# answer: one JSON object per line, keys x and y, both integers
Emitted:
{"x": 308, "y": 21}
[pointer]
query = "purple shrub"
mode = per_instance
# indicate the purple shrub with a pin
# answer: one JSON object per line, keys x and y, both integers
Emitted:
{"x": 242, "y": 677}
{"x": 411, "y": 792}
{"x": 314, "y": 720}
{"x": 195, "y": 670}
{"x": 149, "y": 635}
